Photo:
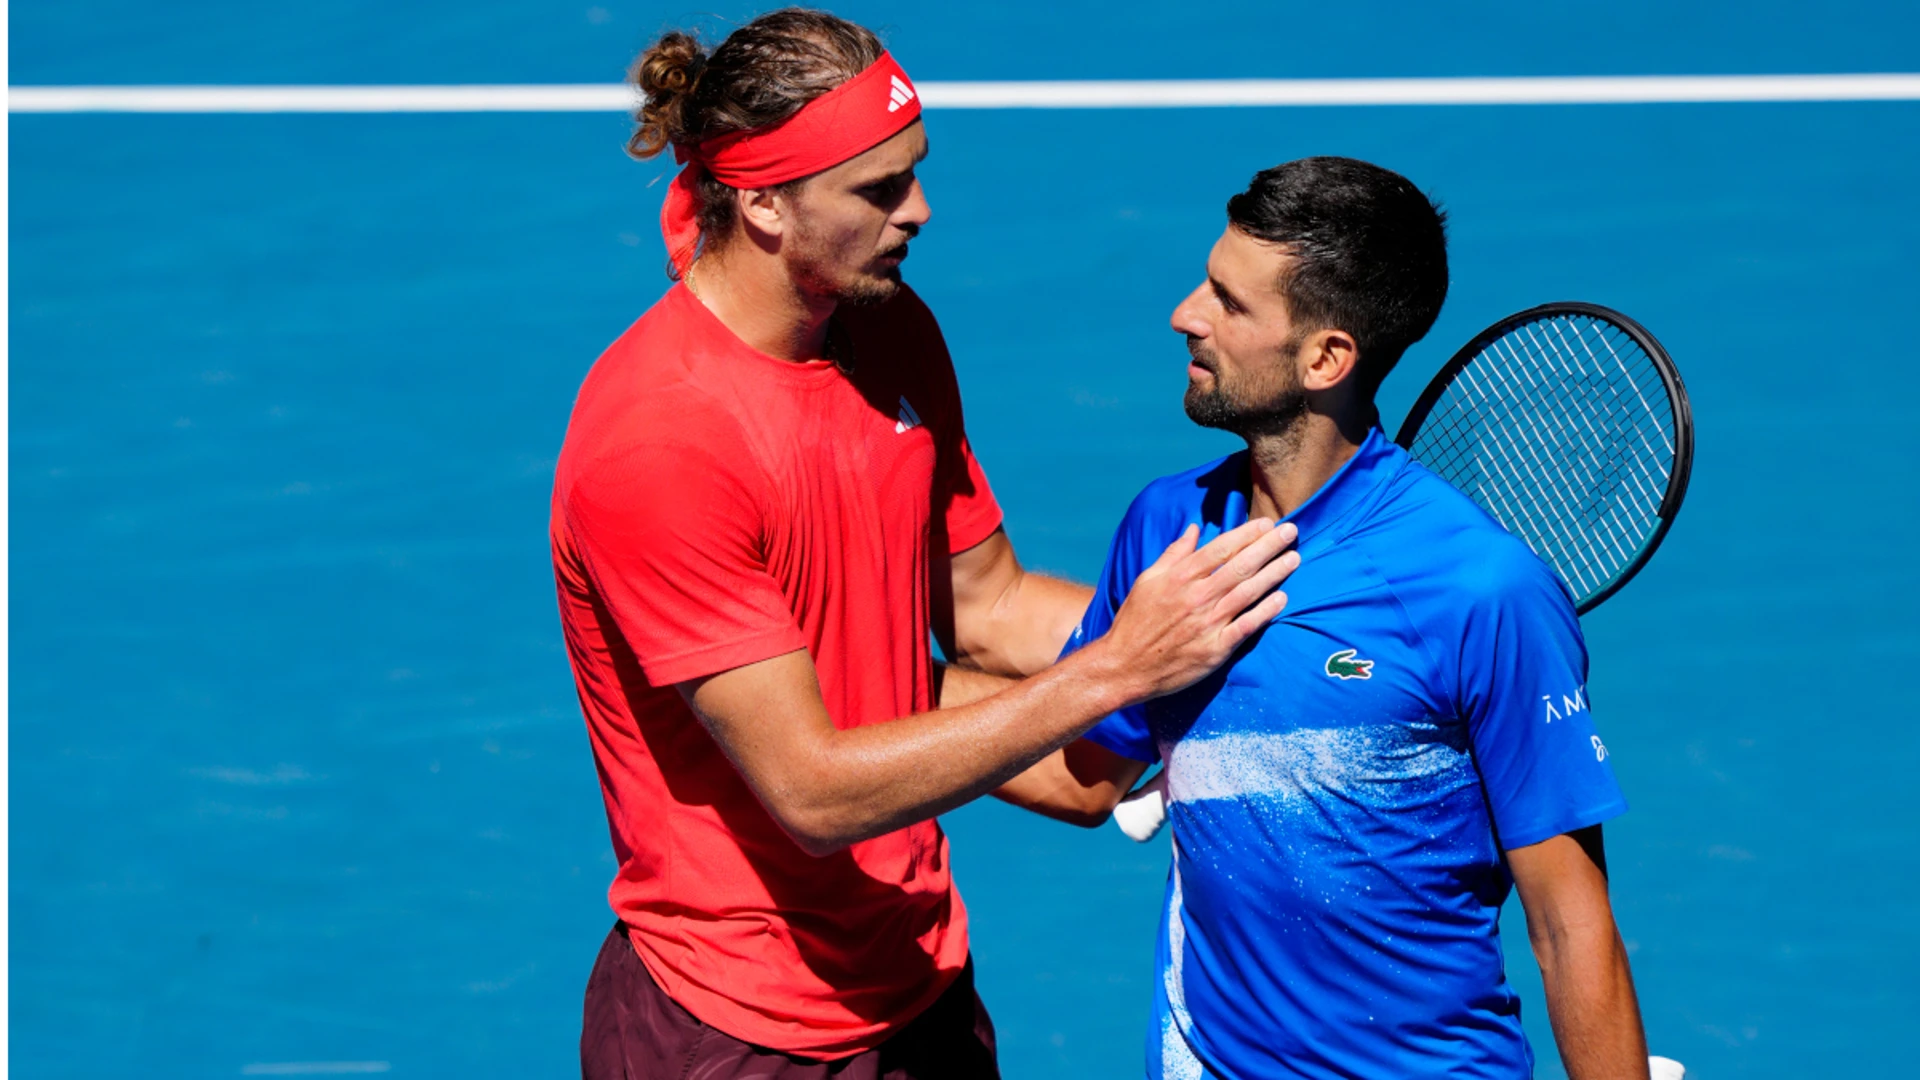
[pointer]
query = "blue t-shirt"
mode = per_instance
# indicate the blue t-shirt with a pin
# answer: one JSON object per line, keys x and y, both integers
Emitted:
{"x": 1341, "y": 792}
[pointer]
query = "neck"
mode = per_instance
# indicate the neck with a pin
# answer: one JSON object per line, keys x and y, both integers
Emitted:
{"x": 1288, "y": 467}
{"x": 759, "y": 301}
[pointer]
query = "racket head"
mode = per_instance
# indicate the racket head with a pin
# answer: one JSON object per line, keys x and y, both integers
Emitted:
{"x": 1564, "y": 419}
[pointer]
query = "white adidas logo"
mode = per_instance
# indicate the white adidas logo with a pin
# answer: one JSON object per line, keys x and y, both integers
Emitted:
{"x": 902, "y": 93}
{"x": 908, "y": 418}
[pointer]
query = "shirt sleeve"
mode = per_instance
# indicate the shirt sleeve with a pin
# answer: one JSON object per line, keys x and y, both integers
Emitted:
{"x": 1125, "y": 732}
{"x": 671, "y": 538}
{"x": 1523, "y": 691}
{"x": 971, "y": 511}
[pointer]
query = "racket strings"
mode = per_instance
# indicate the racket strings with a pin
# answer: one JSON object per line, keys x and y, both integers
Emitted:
{"x": 1657, "y": 456}
{"x": 1517, "y": 478}
{"x": 1514, "y": 485}
{"x": 1562, "y": 429}
{"x": 1586, "y": 440}
{"x": 1540, "y": 464}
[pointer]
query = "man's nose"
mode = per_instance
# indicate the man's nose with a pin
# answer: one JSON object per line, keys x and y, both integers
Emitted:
{"x": 1187, "y": 319}
{"x": 914, "y": 211}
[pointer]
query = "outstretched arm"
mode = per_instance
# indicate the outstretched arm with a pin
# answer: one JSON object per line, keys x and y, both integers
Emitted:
{"x": 1080, "y": 783}
{"x": 1590, "y": 1000}
{"x": 1010, "y": 621}
{"x": 829, "y": 788}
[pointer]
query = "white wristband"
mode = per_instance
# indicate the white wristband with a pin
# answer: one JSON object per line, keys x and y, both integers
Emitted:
{"x": 1144, "y": 810}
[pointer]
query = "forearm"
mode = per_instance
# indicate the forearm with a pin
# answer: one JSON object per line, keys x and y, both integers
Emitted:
{"x": 1563, "y": 885}
{"x": 1590, "y": 1000}
{"x": 874, "y": 779}
{"x": 828, "y": 787}
{"x": 955, "y": 686}
{"x": 1080, "y": 783}
{"x": 1024, "y": 628}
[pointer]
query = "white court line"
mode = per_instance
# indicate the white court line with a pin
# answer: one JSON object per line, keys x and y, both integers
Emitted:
{"x": 314, "y": 1068}
{"x": 1167, "y": 93}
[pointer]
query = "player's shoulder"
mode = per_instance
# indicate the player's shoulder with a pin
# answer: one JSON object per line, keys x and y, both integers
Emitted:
{"x": 1163, "y": 510}
{"x": 657, "y": 388}
{"x": 1198, "y": 495}
{"x": 676, "y": 358}
{"x": 1437, "y": 529}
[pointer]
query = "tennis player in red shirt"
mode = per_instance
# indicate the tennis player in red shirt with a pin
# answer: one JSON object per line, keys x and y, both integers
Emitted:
{"x": 765, "y": 502}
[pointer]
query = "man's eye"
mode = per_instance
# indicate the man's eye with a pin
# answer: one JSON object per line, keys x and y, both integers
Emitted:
{"x": 888, "y": 188}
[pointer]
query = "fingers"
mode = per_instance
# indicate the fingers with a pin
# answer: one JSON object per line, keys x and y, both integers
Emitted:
{"x": 1256, "y": 618}
{"x": 1224, "y": 547}
{"x": 1264, "y": 580}
{"x": 1253, "y": 558}
{"x": 1177, "y": 550}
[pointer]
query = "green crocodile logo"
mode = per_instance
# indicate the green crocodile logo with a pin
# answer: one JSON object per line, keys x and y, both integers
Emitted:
{"x": 1344, "y": 665}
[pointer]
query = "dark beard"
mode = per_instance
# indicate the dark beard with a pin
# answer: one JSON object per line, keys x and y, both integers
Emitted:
{"x": 867, "y": 291}
{"x": 862, "y": 291}
{"x": 1271, "y": 406}
{"x": 809, "y": 269}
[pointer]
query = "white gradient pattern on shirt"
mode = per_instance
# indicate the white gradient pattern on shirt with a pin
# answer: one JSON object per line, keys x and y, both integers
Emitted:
{"x": 1177, "y": 1059}
{"x": 1286, "y": 765}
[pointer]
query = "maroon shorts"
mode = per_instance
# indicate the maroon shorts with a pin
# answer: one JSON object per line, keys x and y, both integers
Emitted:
{"x": 632, "y": 1029}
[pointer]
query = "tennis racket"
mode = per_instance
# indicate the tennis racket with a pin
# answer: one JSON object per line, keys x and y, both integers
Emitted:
{"x": 1569, "y": 424}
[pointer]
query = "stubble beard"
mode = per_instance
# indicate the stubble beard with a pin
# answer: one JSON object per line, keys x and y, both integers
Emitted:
{"x": 1252, "y": 408}
{"x": 815, "y": 269}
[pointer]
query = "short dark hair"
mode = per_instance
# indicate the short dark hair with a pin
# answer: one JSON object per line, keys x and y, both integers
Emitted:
{"x": 1369, "y": 252}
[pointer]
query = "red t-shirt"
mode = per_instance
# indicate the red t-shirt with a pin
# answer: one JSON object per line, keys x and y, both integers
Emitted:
{"x": 714, "y": 506}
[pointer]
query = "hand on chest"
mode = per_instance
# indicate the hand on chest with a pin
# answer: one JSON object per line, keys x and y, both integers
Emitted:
{"x": 1342, "y": 655}
{"x": 1334, "y": 704}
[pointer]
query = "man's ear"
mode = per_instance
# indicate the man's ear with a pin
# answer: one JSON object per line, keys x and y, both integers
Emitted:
{"x": 1327, "y": 359}
{"x": 763, "y": 211}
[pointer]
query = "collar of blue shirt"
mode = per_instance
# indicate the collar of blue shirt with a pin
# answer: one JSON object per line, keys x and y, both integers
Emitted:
{"x": 1355, "y": 485}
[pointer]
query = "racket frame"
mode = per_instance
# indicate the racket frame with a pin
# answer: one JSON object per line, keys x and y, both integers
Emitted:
{"x": 1676, "y": 492}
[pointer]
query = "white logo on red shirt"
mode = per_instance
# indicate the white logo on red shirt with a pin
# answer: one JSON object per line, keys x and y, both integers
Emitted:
{"x": 908, "y": 418}
{"x": 902, "y": 93}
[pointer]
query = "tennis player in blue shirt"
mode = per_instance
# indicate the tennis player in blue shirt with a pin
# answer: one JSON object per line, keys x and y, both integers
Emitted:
{"x": 1354, "y": 796}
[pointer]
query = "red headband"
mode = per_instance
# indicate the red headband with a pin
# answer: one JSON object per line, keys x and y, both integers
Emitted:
{"x": 848, "y": 120}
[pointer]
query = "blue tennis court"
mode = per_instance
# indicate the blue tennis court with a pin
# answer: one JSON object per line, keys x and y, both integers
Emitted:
{"x": 298, "y": 780}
